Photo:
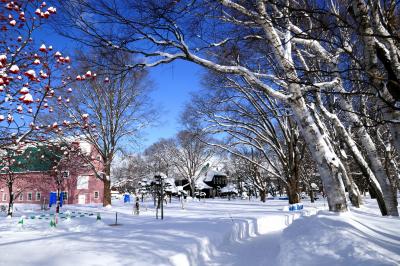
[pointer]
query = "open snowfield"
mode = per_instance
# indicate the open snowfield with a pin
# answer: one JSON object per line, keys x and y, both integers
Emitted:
{"x": 210, "y": 232}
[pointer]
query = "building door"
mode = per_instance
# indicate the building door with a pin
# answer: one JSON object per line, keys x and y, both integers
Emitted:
{"x": 82, "y": 199}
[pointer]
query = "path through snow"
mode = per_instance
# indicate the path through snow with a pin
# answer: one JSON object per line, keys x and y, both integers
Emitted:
{"x": 215, "y": 232}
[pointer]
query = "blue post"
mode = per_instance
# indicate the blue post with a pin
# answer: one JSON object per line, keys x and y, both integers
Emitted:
{"x": 52, "y": 198}
{"x": 127, "y": 198}
{"x": 61, "y": 198}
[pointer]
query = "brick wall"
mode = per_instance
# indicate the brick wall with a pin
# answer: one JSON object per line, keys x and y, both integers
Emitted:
{"x": 35, "y": 187}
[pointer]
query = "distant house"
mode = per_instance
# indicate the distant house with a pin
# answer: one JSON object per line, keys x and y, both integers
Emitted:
{"x": 36, "y": 180}
{"x": 229, "y": 190}
{"x": 214, "y": 181}
{"x": 209, "y": 181}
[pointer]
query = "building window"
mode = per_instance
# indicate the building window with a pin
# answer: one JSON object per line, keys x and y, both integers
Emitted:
{"x": 83, "y": 182}
{"x": 38, "y": 196}
{"x": 96, "y": 194}
{"x": 29, "y": 195}
{"x": 21, "y": 196}
{"x": 4, "y": 197}
{"x": 65, "y": 196}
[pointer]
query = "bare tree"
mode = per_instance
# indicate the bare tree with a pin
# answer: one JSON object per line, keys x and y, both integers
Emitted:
{"x": 110, "y": 109}
{"x": 190, "y": 155}
{"x": 247, "y": 167}
{"x": 158, "y": 156}
{"x": 377, "y": 24}
{"x": 291, "y": 51}
{"x": 129, "y": 172}
{"x": 248, "y": 119}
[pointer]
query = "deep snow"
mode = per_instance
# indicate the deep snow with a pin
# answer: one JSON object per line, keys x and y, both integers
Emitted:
{"x": 210, "y": 232}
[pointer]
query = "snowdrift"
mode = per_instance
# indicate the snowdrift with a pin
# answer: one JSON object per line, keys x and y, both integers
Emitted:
{"x": 356, "y": 238}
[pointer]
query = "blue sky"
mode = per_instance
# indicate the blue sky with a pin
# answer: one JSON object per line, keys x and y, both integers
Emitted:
{"x": 172, "y": 86}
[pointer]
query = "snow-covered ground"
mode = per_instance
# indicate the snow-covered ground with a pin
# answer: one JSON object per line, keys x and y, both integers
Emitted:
{"x": 210, "y": 232}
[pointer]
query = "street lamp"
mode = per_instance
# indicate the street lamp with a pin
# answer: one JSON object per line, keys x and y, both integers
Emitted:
{"x": 159, "y": 181}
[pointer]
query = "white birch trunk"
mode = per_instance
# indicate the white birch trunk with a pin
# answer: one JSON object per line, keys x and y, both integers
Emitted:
{"x": 347, "y": 182}
{"x": 392, "y": 116}
{"x": 326, "y": 160}
{"x": 351, "y": 186}
{"x": 373, "y": 157}
{"x": 359, "y": 158}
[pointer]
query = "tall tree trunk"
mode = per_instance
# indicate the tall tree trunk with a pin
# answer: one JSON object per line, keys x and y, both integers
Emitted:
{"x": 192, "y": 187}
{"x": 361, "y": 11}
{"x": 352, "y": 189}
{"x": 10, "y": 201}
{"x": 159, "y": 199}
{"x": 107, "y": 192}
{"x": 325, "y": 158}
{"x": 353, "y": 147}
{"x": 107, "y": 185}
{"x": 351, "y": 186}
{"x": 372, "y": 191}
{"x": 377, "y": 167}
{"x": 392, "y": 115}
{"x": 292, "y": 186}
{"x": 311, "y": 193}
{"x": 293, "y": 193}
{"x": 263, "y": 195}
{"x": 58, "y": 201}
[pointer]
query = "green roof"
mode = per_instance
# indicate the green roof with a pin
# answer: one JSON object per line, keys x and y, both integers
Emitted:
{"x": 36, "y": 159}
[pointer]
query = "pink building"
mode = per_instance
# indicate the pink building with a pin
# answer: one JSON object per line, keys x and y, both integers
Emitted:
{"x": 77, "y": 178}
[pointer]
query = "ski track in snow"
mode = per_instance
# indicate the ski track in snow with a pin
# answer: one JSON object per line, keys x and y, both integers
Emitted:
{"x": 214, "y": 232}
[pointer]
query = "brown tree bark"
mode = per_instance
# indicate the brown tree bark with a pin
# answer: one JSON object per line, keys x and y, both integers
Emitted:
{"x": 263, "y": 195}
{"x": 107, "y": 185}
{"x": 311, "y": 193}
{"x": 10, "y": 201}
{"x": 58, "y": 201}
{"x": 293, "y": 193}
{"x": 107, "y": 192}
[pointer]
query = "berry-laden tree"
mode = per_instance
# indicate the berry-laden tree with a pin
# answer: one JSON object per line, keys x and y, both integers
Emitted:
{"x": 35, "y": 78}
{"x": 32, "y": 75}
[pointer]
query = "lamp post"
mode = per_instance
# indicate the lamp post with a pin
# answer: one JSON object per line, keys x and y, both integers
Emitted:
{"x": 160, "y": 180}
{"x": 142, "y": 187}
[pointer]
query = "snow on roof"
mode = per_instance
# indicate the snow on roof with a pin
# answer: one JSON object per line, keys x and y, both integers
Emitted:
{"x": 201, "y": 185}
{"x": 209, "y": 175}
{"x": 229, "y": 188}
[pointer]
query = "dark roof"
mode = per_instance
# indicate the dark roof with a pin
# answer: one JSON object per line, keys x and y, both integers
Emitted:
{"x": 36, "y": 159}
